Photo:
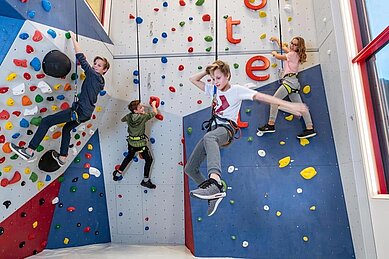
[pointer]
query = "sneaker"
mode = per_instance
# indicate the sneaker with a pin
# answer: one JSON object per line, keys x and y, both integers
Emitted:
{"x": 267, "y": 129}
{"x": 208, "y": 190}
{"x": 117, "y": 176}
{"x": 148, "y": 184}
{"x": 57, "y": 159}
{"x": 212, "y": 206}
{"x": 22, "y": 152}
{"x": 307, "y": 133}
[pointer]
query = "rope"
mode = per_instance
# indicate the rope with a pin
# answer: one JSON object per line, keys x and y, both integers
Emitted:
{"x": 76, "y": 74}
{"x": 137, "y": 50}
{"x": 280, "y": 31}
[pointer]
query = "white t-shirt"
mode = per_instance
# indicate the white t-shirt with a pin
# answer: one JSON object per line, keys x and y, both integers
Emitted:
{"x": 228, "y": 103}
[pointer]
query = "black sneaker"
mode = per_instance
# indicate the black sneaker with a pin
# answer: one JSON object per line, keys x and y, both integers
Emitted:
{"x": 117, "y": 176}
{"x": 22, "y": 152}
{"x": 307, "y": 133}
{"x": 267, "y": 129}
{"x": 208, "y": 190}
{"x": 148, "y": 184}
{"x": 56, "y": 158}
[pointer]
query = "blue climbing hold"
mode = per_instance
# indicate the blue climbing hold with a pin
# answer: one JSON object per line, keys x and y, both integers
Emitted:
{"x": 152, "y": 140}
{"x": 60, "y": 97}
{"x": 36, "y": 64}
{"x": 135, "y": 159}
{"x": 24, "y": 36}
{"x": 136, "y": 81}
{"x": 16, "y": 135}
{"x": 103, "y": 92}
{"x": 46, "y": 5}
{"x": 164, "y": 35}
{"x": 52, "y": 33}
{"x": 31, "y": 14}
{"x": 155, "y": 40}
{"x": 164, "y": 59}
{"x": 165, "y": 4}
{"x": 138, "y": 20}
{"x": 24, "y": 123}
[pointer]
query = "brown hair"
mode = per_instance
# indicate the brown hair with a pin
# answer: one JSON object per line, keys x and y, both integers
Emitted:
{"x": 133, "y": 105}
{"x": 218, "y": 64}
{"x": 106, "y": 63}
{"x": 301, "y": 49}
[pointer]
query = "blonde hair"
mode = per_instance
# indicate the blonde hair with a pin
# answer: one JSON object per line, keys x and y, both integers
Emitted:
{"x": 106, "y": 63}
{"x": 218, "y": 64}
{"x": 301, "y": 49}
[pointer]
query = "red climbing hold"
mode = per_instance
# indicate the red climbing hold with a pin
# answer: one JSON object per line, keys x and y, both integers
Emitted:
{"x": 37, "y": 36}
{"x": 88, "y": 155}
{"x": 16, "y": 178}
{"x": 199, "y": 102}
{"x": 2, "y": 160}
{"x": 4, "y": 115}
{"x": 27, "y": 76}
{"x": 190, "y": 38}
{"x": 2, "y": 139}
{"x": 87, "y": 229}
{"x": 156, "y": 99}
{"x": 33, "y": 88}
{"x": 130, "y": 16}
{"x": 24, "y": 1}
{"x": 86, "y": 165}
{"x": 182, "y": 3}
{"x": 71, "y": 209}
{"x": 29, "y": 49}
{"x": 172, "y": 89}
{"x": 43, "y": 110}
{"x": 65, "y": 106}
{"x": 4, "y": 182}
{"x": 17, "y": 113}
{"x": 181, "y": 67}
{"x": 20, "y": 62}
{"x": 156, "y": 9}
{"x": 190, "y": 49}
{"x": 173, "y": 29}
{"x": 40, "y": 76}
{"x": 4, "y": 89}
{"x": 206, "y": 18}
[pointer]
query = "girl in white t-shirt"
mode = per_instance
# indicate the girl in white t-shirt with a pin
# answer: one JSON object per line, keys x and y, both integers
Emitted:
{"x": 227, "y": 100}
{"x": 294, "y": 55}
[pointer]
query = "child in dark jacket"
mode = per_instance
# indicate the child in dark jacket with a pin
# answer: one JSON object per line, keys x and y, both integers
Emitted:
{"x": 137, "y": 140}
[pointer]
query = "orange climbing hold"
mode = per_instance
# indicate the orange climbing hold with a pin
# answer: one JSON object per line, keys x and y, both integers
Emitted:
{"x": 56, "y": 135}
{"x": 67, "y": 87}
{"x": 26, "y": 101}
{"x": 6, "y": 148}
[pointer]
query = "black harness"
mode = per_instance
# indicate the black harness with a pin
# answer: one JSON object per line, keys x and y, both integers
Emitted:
{"x": 230, "y": 125}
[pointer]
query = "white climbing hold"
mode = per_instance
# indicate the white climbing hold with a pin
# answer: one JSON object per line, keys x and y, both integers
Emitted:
{"x": 261, "y": 153}
{"x": 231, "y": 169}
{"x": 53, "y": 128}
{"x": 30, "y": 112}
{"x": 94, "y": 171}
{"x": 55, "y": 200}
{"x": 19, "y": 89}
{"x": 45, "y": 88}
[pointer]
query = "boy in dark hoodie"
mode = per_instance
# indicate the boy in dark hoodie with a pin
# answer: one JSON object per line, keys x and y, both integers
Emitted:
{"x": 137, "y": 140}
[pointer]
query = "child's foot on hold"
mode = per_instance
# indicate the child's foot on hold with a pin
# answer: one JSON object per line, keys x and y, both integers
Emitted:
{"x": 57, "y": 158}
{"x": 266, "y": 129}
{"x": 307, "y": 133}
{"x": 117, "y": 175}
{"x": 22, "y": 152}
{"x": 212, "y": 206}
{"x": 148, "y": 184}
{"x": 208, "y": 190}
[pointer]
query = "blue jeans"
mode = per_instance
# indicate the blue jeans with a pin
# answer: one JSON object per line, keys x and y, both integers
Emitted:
{"x": 64, "y": 116}
{"x": 208, "y": 147}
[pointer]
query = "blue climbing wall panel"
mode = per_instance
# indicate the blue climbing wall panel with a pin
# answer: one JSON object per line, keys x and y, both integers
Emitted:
{"x": 9, "y": 28}
{"x": 273, "y": 212}
{"x": 88, "y": 222}
{"x": 62, "y": 16}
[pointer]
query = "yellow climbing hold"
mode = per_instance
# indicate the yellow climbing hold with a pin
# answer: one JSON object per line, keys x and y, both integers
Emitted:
{"x": 66, "y": 240}
{"x": 54, "y": 107}
{"x": 308, "y": 173}
{"x": 7, "y": 169}
{"x": 274, "y": 65}
{"x": 282, "y": 142}
{"x": 289, "y": 118}
{"x": 85, "y": 176}
{"x": 47, "y": 137}
{"x": 312, "y": 208}
{"x": 290, "y": 19}
{"x": 57, "y": 86}
{"x": 307, "y": 89}
{"x": 99, "y": 109}
{"x": 82, "y": 76}
{"x": 8, "y": 125}
{"x": 10, "y": 102}
{"x": 35, "y": 224}
{"x": 263, "y": 36}
{"x": 11, "y": 77}
{"x": 278, "y": 213}
{"x": 262, "y": 14}
{"x": 304, "y": 141}
{"x": 40, "y": 185}
{"x": 90, "y": 147}
{"x": 284, "y": 162}
{"x": 305, "y": 238}
{"x": 27, "y": 170}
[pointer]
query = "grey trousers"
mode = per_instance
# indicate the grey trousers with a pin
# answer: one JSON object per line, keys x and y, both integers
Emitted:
{"x": 208, "y": 147}
{"x": 282, "y": 92}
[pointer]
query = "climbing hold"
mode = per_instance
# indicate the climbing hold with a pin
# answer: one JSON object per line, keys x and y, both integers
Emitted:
{"x": 304, "y": 142}
{"x": 52, "y": 33}
{"x": 290, "y": 18}
{"x": 8, "y": 125}
{"x": 278, "y": 213}
{"x": 36, "y": 121}
{"x": 245, "y": 244}
{"x": 90, "y": 147}
{"x": 46, "y": 5}
{"x": 308, "y": 173}
{"x": 44, "y": 87}
{"x": 172, "y": 89}
{"x": 19, "y": 89}
{"x": 182, "y": 23}
{"x": 208, "y": 38}
{"x": 4, "y": 115}
{"x": 189, "y": 130}
{"x": 289, "y": 118}
{"x": 305, "y": 238}
{"x": 66, "y": 240}
{"x": 71, "y": 209}
{"x": 262, "y": 14}
{"x": 26, "y": 76}
{"x": 307, "y": 89}
{"x": 73, "y": 189}
{"x": 250, "y": 139}
{"x": 7, "y": 203}
{"x": 206, "y": 18}
{"x": 199, "y": 2}
{"x": 261, "y": 153}
{"x": 164, "y": 60}
{"x": 312, "y": 208}
{"x": 11, "y": 77}
{"x": 24, "y": 36}
{"x": 138, "y": 20}
{"x": 85, "y": 176}
{"x": 56, "y": 64}
{"x": 29, "y": 49}
{"x": 2, "y": 139}
{"x": 20, "y": 62}
{"x": 190, "y": 49}
{"x": 262, "y": 36}
{"x": 36, "y": 64}
{"x": 159, "y": 117}
{"x": 94, "y": 171}
{"x": 40, "y": 76}
{"x": 4, "y": 89}
{"x": 26, "y": 100}
{"x": 30, "y": 112}
{"x": 284, "y": 162}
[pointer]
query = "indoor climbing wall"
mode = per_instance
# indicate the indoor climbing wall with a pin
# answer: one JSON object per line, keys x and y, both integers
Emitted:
{"x": 171, "y": 40}
{"x": 30, "y": 30}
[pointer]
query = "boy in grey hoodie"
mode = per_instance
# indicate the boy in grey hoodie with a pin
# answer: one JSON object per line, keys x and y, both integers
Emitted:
{"x": 137, "y": 140}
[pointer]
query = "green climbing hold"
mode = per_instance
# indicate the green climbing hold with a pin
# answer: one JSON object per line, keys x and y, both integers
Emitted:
{"x": 36, "y": 121}
{"x": 208, "y": 38}
{"x": 61, "y": 179}
{"x": 236, "y": 65}
{"x": 33, "y": 177}
{"x": 77, "y": 159}
{"x": 77, "y": 136}
{"x": 199, "y": 219}
{"x": 233, "y": 237}
{"x": 74, "y": 76}
{"x": 199, "y": 2}
{"x": 225, "y": 16}
{"x": 250, "y": 139}
{"x": 68, "y": 35}
{"x": 0, "y": 173}
{"x": 73, "y": 189}
{"x": 189, "y": 130}
{"x": 226, "y": 48}
{"x": 40, "y": 148}
{"x": 15, "y": 156}
{"x": 38, "y": 98}
{"x": 93, "y": 189}
{"x": 232, "y": 202}
{"x": 208, "y": 49}
{"x": 248, "y": 110}
{"x": 57, "y": 226}
{"x": 199, "y": 67}
{"x": 182, "y": 23}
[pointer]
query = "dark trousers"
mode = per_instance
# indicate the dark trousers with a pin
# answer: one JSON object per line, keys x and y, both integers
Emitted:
{"x": 64, "y": 116}
{"x": 145, "y": 154}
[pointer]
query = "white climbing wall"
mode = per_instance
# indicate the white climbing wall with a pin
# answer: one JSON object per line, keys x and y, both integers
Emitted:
{"x": 172, "y": 46}
{"x": 29, "y": 180}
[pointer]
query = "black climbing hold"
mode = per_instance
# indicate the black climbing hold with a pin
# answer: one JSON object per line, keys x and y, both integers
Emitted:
{"x": 7, "y": 204}
{"x": 56, "y": 64}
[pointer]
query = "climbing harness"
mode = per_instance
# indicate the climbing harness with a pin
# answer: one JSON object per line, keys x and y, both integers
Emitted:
{"x": 136, "y": 138}
{"x": 288, "y": 88}
{"x": 230, "y": 125}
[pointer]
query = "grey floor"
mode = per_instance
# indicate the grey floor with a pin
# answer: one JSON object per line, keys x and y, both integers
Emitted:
{"x": 118, "y": 251}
